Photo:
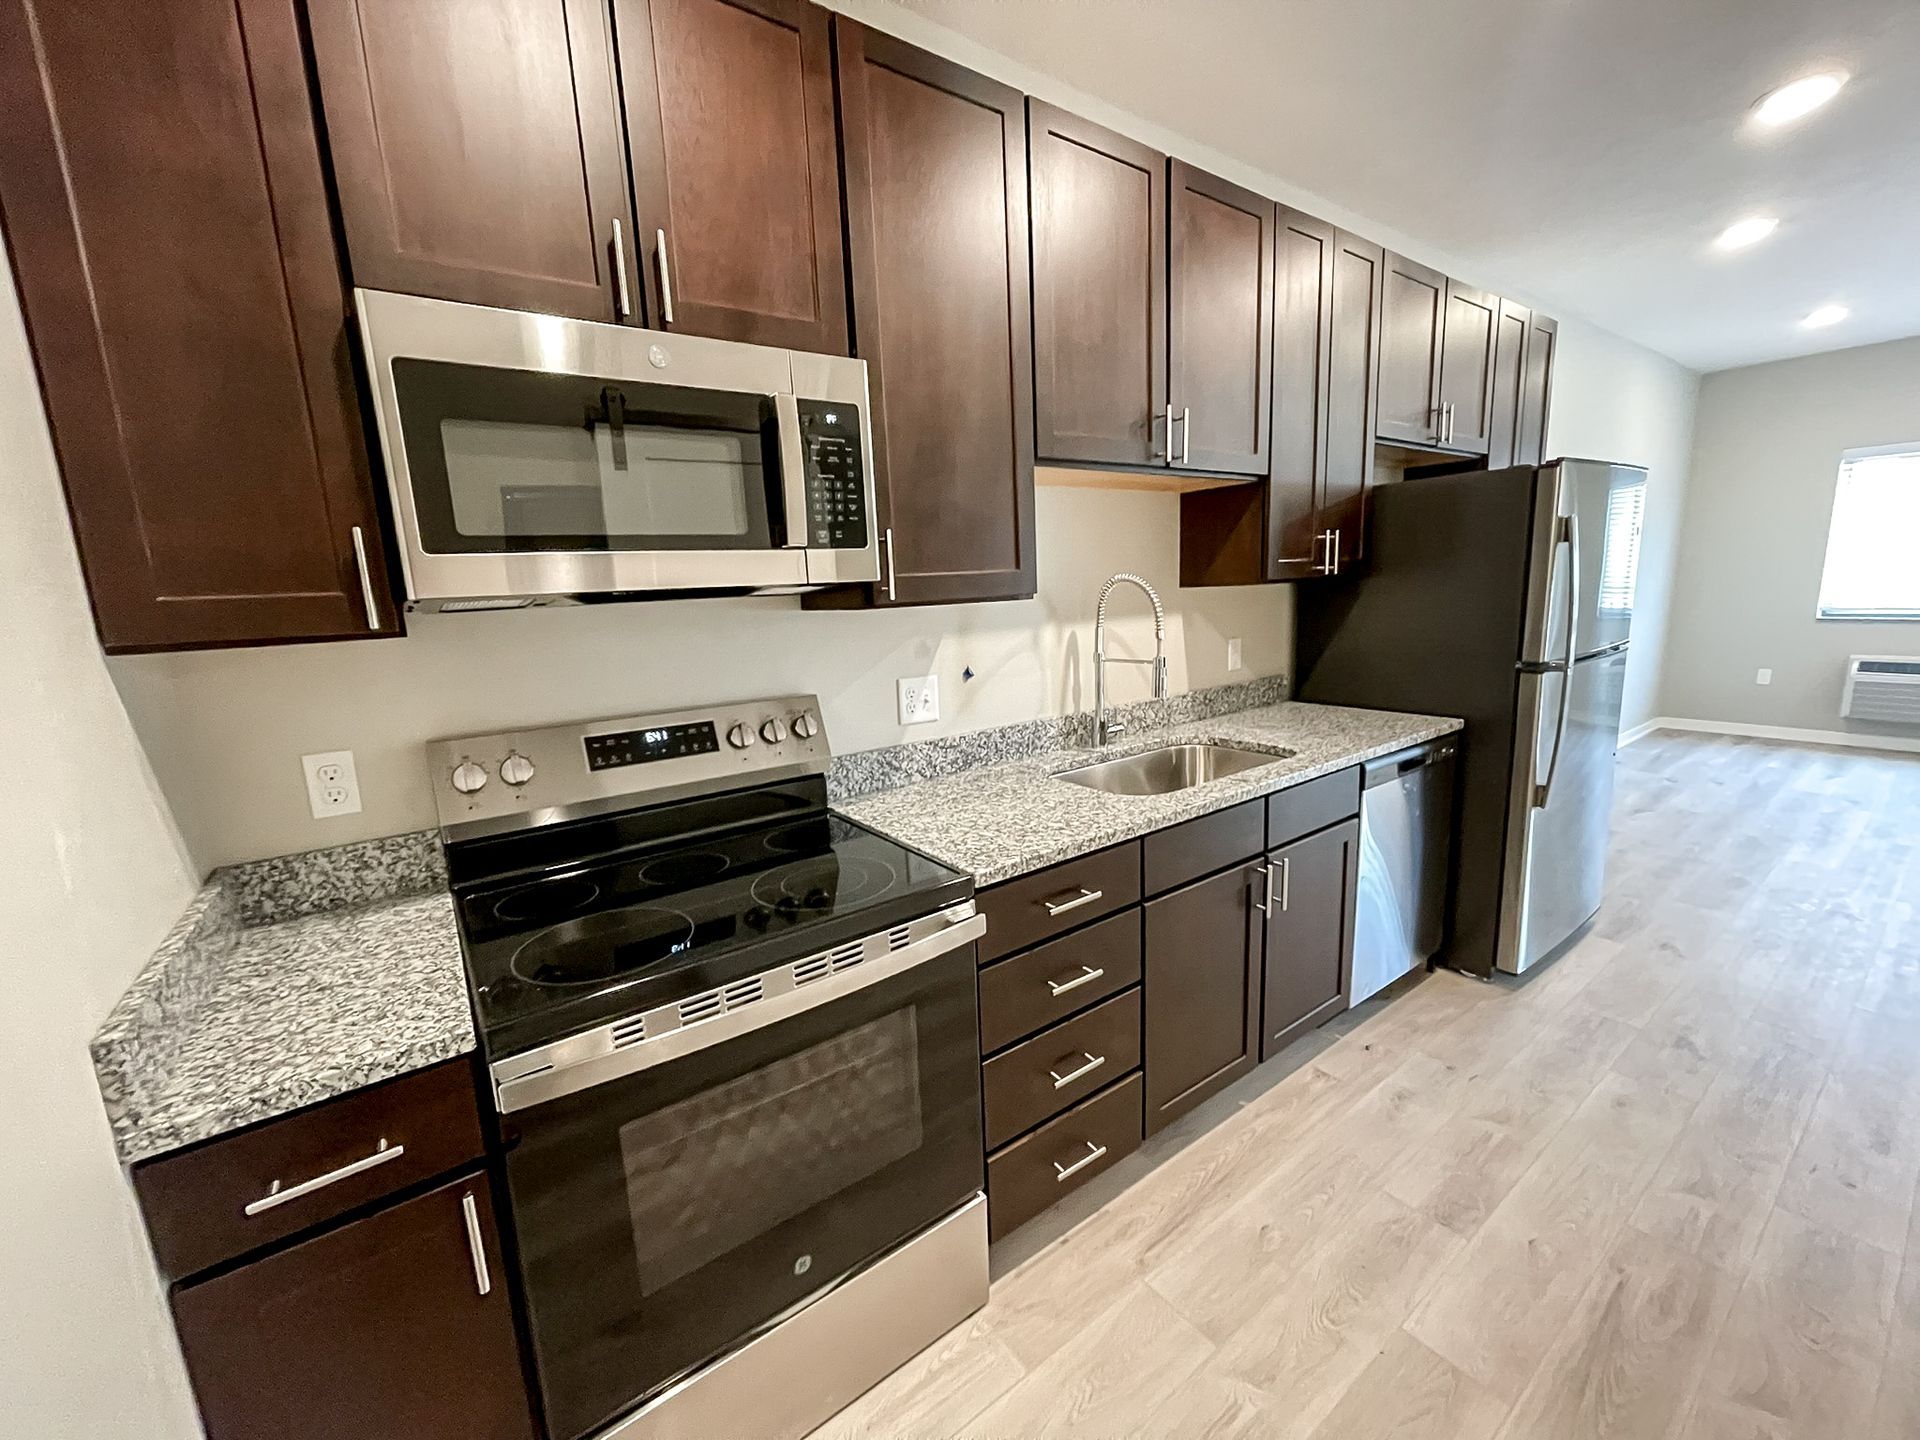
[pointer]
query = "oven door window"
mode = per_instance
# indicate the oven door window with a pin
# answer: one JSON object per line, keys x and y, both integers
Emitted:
{"x": 509, "y": 461}
{"x": 667, "y": 1216}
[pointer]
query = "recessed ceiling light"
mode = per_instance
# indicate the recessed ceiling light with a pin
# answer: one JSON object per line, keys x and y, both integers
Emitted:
{"x": 1825, "y": 315}
{"x": 1750, "y": 231}
{"x": 1797, "y": 98}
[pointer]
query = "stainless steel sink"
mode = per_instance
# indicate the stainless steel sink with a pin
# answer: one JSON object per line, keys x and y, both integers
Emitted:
{"x": 1170, "y": 768}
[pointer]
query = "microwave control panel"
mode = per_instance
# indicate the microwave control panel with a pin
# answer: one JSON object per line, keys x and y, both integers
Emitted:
{"x": 836, "y": 475}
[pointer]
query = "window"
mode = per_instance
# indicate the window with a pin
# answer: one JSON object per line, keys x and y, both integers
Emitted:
{"x": 1873, "y": 547}
{"x": 1620, "y": 557}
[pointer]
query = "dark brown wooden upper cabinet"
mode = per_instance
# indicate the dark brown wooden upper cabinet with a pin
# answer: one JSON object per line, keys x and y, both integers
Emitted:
{"x": 1536, "y": 388}
{"x": 396, "y": 1326}
{"x": 166, "y": 208}
{"x": 1303, "y": 374}
{"x": 1219, "y": 323}
{"x": 936, "y": 173}
{"x": 1509, "y": 366}
{"x": 1466, "y": 368}
{"x": 1353, "y": 393}
{"x": 477, "y": 151}
{"x": 1413, "y": 309}
{"x": 1099, "y": 292}
{"x": 736, "y": 179}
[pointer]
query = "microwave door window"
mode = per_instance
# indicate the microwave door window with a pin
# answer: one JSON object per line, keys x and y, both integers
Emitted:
{"x": 663, "y": 480}
{"x": 522, "y": 481}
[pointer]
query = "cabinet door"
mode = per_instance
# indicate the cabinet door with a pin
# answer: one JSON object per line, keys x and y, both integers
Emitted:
{"x": 1303, "y": 369}
{"x": 736, "y": 182}
{"x": 392, "y": 1327}
{"x": 936, "y": 166}
{"x": 1353, "y": 393}
{"x": 1219, "y": 323}
{"x": 1309, "y": 933}
{"x": 1099, "y": 292}
{"x": 1466, "y": 368}
{"x": 477, "y": 151}
{"x": 166, "y": 209}
{"x": 1413, "y": 307}
{"x": 1202, "y": 992}
{"x": 1536, "y": 386}
{"x": 1509, "y": 366}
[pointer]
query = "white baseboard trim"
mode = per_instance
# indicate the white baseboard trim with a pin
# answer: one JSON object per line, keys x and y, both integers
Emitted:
{"x": 1847, "y": 739}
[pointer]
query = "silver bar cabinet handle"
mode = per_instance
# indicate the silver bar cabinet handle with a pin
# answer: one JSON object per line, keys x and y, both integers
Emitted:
{"x": 276, "y": 1196}
{"x": 1286, "y": 883}
{"x": 1085, "y": 897}
{"x": 1333, "y": 550}
{"x": 1264, "y": 904}
{"x": 1065, "y": 1172}
{"x": 1088, "y": 974}
{"x": 366, "y": 578}
{"x": 666, "y": 277}
{"x": 1094, "y": 1062}
{"x": 482, "y": 1278}
{"x": 886, "y": 541}
{"x": 1186, "y": 434}
{"x": 620, "y": 270}
{"x": 1169, "y": 419}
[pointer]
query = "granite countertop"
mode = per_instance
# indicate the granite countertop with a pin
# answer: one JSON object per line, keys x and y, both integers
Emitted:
{"x": 1006, "y": 819}
{"x": 285, "y": 983}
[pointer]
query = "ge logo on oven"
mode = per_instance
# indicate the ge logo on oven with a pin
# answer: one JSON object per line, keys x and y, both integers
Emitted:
{"x": 803, "y": 1264}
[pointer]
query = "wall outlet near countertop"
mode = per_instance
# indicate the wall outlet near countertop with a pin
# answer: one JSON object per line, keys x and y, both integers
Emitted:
{"x": 1234, "y": 659}
{"x": 919, "y": 700}
{"x": 1763, "y": 677}
{"x": 333, "y": 787}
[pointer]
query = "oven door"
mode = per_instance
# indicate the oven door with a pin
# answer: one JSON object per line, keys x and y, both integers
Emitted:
{"x": 671, "y": 1213}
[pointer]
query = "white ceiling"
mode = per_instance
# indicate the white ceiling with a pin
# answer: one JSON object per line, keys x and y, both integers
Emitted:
{"x": 1583, "y": 152}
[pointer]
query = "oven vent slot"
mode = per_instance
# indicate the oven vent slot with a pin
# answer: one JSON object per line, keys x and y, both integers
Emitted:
{"x": 845, "y": 957}
{"x": 899, "y": 937}
{"x": 816, "y": 967}
{"x": 742, "y": 992}
{"x": 629, "y": 1032}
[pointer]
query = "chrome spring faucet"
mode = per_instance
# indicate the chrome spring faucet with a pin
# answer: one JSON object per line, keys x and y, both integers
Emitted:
{"x": 1104, "y": 729}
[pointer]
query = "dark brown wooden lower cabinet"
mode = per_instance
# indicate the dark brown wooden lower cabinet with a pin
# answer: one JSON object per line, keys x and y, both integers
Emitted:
{"x": 392, "y": 1327}
{"x": 1202, "y": 991}
{"x": 1309, "y": 934}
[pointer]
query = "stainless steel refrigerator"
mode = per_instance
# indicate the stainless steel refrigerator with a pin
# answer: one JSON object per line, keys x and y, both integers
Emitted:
{"x": 1504, "y": 597}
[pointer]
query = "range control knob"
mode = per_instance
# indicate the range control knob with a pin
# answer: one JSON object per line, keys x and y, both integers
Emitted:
{"x": 516, "y": 769}
{"x": 469, "y": 778}
{"x": 740, "y": 737}
{"x": 805, "y": 726}
{"x": 773, "y": 732}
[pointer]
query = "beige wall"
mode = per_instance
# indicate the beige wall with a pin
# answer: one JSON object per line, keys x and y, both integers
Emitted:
{"x": 94, "y": 878}
{"x": 1614, "y": 400}
{"x": 1766, "y": 457}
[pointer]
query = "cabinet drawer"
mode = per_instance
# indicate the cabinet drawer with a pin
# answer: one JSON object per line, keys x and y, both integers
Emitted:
{"x": 1057, "y": 1159}
{"x": 1049, "y": 982}
{"x": 1312, "y": 806}
{"x": 1062, "y": 897}
{"x": 308, "y": 1167}
{"x": 1037, "y": 1080}
{"x": 1171, "y": 857}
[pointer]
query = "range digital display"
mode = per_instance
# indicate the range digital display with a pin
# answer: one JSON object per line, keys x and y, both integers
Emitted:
{"x": 641, "y": 747}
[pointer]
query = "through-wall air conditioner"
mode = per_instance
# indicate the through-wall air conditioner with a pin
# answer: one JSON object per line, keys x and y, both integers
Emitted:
{"x": 1885, "y": 688}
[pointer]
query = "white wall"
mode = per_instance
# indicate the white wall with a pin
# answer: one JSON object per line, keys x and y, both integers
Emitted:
{"x": 1765, "y": 462}
{"x": 1614, "y": 400}
{"x": 95, "y": 876}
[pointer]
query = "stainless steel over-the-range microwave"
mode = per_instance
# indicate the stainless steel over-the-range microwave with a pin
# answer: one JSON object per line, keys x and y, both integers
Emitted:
{"x": 536, "y": 459}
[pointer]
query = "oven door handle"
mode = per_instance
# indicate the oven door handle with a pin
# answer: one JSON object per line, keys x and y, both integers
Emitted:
{"x": 793, "y": 469}
{"x": 610, "y": 1052}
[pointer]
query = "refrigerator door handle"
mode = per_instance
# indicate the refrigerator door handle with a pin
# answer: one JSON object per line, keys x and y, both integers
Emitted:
{"x": 1570, "y": 536}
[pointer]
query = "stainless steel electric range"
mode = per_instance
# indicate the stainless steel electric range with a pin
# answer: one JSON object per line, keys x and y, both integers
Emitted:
{"x": 735, "y": 1062}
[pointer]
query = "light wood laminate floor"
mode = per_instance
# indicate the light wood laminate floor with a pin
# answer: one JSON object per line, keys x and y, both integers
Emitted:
{"x": 1663, "y": 1187}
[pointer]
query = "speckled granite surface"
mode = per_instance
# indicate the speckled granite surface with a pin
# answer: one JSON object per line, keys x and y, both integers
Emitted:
{"x": 1004, "y": 820}
{"x": 286, "y": 982}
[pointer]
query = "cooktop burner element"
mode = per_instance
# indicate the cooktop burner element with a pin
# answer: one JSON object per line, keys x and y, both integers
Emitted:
{"x": 624, "y": 877}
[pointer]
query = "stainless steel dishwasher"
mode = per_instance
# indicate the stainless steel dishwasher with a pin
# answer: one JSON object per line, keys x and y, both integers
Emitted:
{"x": 1406, "y": 829}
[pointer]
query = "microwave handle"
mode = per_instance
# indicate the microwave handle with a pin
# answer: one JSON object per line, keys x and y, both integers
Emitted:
{"x": 793, "y": 468}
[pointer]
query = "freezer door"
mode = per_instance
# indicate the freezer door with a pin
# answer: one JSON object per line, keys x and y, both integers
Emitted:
{"x": 1560, "y": 807}
{"x": 1582, "y": 560}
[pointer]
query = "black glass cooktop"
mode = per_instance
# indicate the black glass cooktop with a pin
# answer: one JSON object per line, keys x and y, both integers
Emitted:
{"x": 596, "y": 928}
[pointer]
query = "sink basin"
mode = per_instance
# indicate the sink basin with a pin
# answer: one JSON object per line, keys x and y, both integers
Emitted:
{"x": 1168, "y": 769}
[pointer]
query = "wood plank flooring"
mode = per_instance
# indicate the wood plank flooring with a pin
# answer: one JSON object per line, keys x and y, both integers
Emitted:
{"x": 1662, "y": 1189}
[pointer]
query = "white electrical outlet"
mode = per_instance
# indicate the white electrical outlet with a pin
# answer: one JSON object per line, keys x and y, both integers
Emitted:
{"x": 1233, "y": 654}
{"x": 1763, "y": 677}
{"x": 333, "y": 788}
{"x": 919, "y": 700}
